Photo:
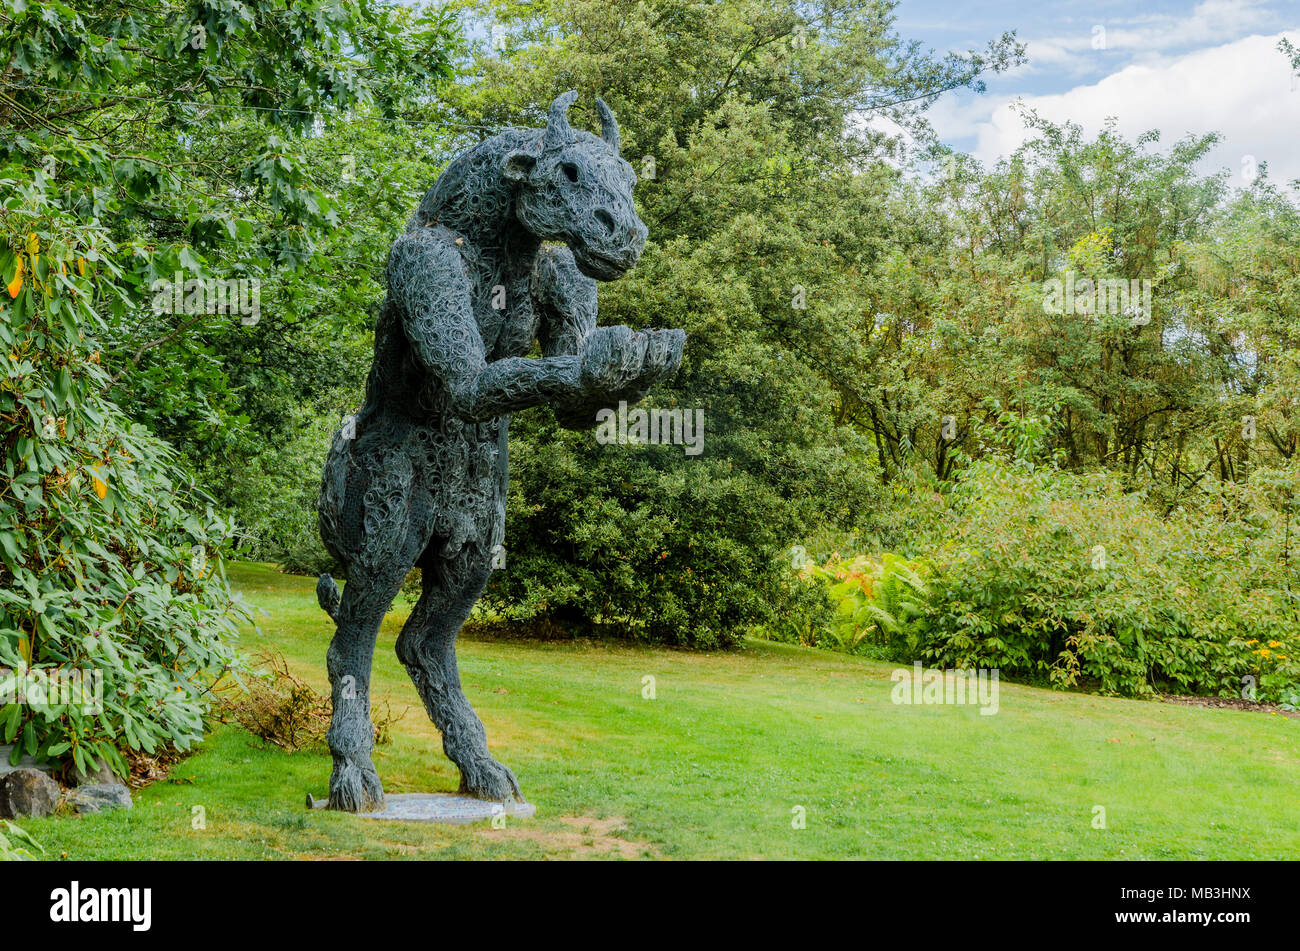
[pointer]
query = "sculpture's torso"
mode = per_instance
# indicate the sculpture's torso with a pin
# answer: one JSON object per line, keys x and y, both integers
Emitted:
{"x": 462, "y": 466}
{"x": 399, "y": 387}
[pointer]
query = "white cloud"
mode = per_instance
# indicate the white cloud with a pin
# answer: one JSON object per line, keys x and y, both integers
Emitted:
{"x": 1212, "y": 22}
{"x": 1243, "y": 89}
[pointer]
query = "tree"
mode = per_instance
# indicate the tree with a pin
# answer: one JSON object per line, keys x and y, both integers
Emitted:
{"x": 763, "y": 200}
{"x": 211, "y": 140}
{"x": 137, "y": 142}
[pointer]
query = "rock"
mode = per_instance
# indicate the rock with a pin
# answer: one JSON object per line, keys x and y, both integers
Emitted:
{"x": 98, "y": 797}
{"x": 26, "y": 762}
{"x": 99, "y": 775}
{"x": 27, "y": 792}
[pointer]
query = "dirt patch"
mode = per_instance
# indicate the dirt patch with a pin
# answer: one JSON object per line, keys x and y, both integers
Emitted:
{"x": 583, "y": 837}
{"x": 1229, "y": 703}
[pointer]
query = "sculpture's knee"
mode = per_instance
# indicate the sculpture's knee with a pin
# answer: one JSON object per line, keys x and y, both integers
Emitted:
{"x": 345, "y": 666}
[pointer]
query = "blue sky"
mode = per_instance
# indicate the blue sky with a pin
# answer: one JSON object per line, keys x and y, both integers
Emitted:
{"x": 1179, "y": 66}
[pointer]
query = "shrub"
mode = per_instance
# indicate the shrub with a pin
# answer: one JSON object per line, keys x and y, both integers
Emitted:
{"x": 1071, "y": 579}
{"x": 109, "y": 558}
{"x": 281, "y": 708}
{"x": 306, "y": 555}
{"x": 642, "y": 542}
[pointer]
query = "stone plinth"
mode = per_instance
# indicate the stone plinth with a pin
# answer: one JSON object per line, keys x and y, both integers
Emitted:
{"x": 439, "y": 807}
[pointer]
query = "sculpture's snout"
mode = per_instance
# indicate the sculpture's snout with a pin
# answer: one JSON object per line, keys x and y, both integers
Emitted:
{"x": 637, "y": 244}
{"x": 614, "y": 244}
{"x": 628, "y": 240}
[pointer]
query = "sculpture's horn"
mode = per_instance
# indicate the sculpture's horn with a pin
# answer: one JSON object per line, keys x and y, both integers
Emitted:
{"x": 608, "y": 125}
{"x": 558, "y": 132}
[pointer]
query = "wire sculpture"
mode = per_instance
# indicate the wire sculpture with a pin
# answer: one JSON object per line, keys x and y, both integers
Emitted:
{"x": 504, "y": 251}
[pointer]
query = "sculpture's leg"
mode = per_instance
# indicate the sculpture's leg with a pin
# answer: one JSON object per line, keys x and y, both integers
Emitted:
{"x": 354, "y": 784}
{"x": 427, "y": 647}
{"x": 377, "y": 513}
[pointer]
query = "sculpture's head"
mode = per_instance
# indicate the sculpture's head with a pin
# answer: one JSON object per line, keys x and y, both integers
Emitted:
{"x": 579, "y": 191}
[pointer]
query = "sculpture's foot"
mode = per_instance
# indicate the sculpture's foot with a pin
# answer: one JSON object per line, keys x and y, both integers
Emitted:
{"x": 355, "y": 786}
{"x": 484, "y": 778}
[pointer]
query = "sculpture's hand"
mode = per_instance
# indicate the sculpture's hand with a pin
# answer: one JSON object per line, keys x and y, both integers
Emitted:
{"x": 619, "y": 365}
{"x": 663, "y": 357}
{"x": 622, "y": 364}
{"x": 612, "y": 358}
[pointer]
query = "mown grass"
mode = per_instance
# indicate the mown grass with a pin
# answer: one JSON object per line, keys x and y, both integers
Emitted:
{"x": 715, "y": 765}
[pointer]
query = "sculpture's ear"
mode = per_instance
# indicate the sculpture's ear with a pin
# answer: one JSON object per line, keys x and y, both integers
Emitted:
{"x": 517, "y": 166}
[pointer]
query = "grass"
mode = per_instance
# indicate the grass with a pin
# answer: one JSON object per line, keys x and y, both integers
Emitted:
{"x": 715, "y": 765}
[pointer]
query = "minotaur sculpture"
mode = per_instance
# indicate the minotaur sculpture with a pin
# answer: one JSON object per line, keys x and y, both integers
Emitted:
{"x": 419, "y": 476}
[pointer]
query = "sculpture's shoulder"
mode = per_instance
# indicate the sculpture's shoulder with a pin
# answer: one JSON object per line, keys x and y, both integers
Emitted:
{"x": 475, "y": 172}
{"x": 427, "y": 260}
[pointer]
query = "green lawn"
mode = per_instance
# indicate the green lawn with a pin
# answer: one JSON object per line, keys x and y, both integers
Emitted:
{"x": 715, "y": 765}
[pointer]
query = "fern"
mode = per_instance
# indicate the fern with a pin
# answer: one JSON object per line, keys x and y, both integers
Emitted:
{"x": 883, "y": 595}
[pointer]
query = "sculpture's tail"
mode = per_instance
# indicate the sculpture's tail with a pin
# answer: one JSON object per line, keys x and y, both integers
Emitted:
{"x": 327, "y": 593}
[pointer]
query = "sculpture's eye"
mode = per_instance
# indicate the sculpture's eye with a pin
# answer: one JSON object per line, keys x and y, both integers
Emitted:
{"x": 570, "y": 171}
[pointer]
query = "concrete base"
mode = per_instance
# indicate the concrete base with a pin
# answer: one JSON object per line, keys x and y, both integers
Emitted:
{"x": 438, "y": 807}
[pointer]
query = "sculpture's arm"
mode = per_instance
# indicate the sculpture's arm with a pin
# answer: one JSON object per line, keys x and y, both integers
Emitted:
{"x": 427, "y": 279}
{"x": 565, "y": 299}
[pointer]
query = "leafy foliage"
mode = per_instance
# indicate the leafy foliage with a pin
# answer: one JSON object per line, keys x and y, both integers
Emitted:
{"x": 1071, "y": 578}
{"x": 737, "y": 121}
{"x": 109, "y": 557}
{"x": 882, "y": 597}
{"x": 257, "y": 141}
{"x": 16, "y": 845}
{"x": 1074, "y": 579}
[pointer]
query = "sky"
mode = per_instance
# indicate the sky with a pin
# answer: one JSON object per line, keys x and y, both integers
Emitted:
{"x": 1179, "y": 67}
